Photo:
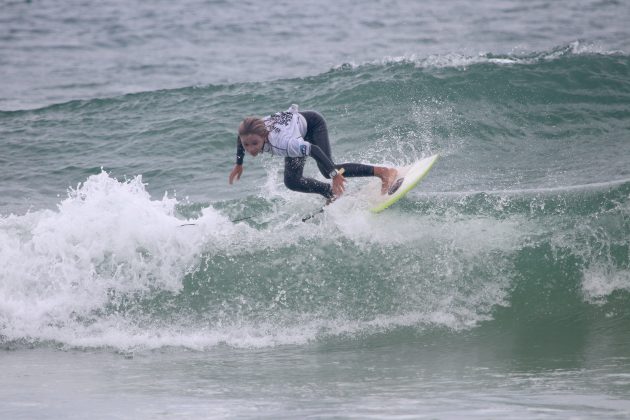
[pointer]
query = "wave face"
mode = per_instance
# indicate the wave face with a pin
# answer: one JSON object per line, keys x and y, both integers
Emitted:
{"x": 524, "y": 220}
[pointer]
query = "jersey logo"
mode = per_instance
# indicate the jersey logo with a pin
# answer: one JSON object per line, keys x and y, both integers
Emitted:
{"x": 280, "y": 118}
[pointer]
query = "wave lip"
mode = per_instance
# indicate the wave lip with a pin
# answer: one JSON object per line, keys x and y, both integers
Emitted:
{"x": 461, "y": 61}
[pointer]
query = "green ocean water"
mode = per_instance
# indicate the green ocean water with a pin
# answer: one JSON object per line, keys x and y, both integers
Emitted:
{"x": 500, "y": 287}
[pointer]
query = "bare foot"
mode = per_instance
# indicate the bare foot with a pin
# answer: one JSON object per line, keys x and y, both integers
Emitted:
{"x": 387, "y": 175}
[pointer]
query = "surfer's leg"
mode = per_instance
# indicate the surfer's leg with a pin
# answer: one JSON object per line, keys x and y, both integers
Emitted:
{"x": 294, "y": 180}
{"x": 316, "y": 131}
{"x": 388, "y": 177}
{"x": 317, "y": 134}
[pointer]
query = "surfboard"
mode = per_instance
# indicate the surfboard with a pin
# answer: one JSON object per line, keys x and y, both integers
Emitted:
{"x": 408, "y": 177}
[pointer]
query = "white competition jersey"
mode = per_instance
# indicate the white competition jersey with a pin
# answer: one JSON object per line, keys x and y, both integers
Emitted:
{"x": 286, "y": 134}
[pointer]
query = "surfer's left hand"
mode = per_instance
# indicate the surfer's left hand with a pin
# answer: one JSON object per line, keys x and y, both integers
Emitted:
{"x": 236, "y": 173}
{"x": 338, "y": 186}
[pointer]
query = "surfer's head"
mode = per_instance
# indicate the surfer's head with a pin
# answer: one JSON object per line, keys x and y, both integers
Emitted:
{"x": 253, "y": 134}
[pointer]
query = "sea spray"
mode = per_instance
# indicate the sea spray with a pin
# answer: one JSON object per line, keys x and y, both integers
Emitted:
{"x": 112, "y": 267}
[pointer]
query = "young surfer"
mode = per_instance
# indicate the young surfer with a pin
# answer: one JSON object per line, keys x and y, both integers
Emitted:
{"x": 296, "y": 135}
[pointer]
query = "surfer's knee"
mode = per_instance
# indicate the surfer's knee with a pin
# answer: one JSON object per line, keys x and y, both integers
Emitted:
{"x": 291, "y": 181}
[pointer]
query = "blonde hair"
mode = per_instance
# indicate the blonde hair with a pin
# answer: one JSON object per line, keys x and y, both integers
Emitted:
{"x": 253, "y": 125}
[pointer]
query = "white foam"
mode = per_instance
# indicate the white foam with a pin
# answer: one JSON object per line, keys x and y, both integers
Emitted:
{"x": 462, "y": 61}
{"x": 109, "y": 240}
{"x": 601, "y": 281}
{"x": 105, "y": 237}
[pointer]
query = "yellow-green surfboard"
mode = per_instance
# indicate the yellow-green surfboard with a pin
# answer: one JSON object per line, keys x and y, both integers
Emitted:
{"x": 408, "y": 177}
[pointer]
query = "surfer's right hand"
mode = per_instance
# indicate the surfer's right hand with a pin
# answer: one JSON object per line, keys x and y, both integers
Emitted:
{"x": 236, "y": 173}
{"x": 337, "y": 185}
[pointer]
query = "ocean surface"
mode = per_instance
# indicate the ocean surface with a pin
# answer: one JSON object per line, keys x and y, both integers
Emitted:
{"x": 498, "y": 288}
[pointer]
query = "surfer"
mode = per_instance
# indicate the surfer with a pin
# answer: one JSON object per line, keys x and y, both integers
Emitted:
{"x": 296, "y": 135}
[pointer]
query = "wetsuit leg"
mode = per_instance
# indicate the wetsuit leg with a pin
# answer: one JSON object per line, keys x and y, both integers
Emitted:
{"x": 317, "y": 133}
{"x": 294, "y": 180}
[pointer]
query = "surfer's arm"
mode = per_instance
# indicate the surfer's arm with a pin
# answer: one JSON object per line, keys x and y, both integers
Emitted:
{"x": 240, "y": 151}
{"x": 298, "y": 147}
{"x": 318, "y": 154}
{"x": 337, "y": 180}
{"x": 237, "y": 171}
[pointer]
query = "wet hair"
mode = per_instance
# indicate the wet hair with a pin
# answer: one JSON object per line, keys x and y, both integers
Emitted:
{"x": 253, "y": 125}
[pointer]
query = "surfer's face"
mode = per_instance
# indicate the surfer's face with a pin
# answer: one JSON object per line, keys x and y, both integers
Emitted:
{"x": 252, "y": 143}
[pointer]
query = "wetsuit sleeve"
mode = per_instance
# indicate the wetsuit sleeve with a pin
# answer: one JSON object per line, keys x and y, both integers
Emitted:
{"x": 318, "y": 154}
{"x": 240, "y": 151}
